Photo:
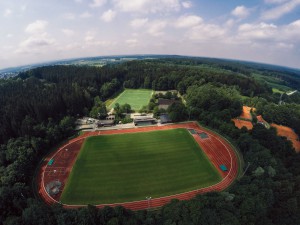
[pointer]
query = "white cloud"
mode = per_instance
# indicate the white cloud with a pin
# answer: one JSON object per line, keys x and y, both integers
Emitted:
{"x": 69, "y": 16}
{"x": 132, "y": 42}
{"x": 97, "y": 3}
{"x": 283, "y": 45}
{"x": 187, "y": 4}
{"x": 38, "y": 39}
{"x": 147, "y": 6}
{"x": 91, "y": 41}
{"x": 23, "y": 8}
{"x": 71, "y": 46}
{"x": 85, "y": 15}
{"x": 36, "y": 27}
{"x": 284, "y": 36}
{"x": 156, "y": 28}
{"x": 295, "y": 25}
{"x": 9, "y": 35}
{"x": 207, "y": 32}
{"x": 240, "y": 12}
{"x": 230, "y": 23}
{"x": 41, "y": 41}
{"x": 7, "y": 12}
{"x": 138, "y": 23}
{"x": 281, "y": 10}
{"x": 89, "y": 37}
{"x": 274, "y": 1}
{"x": 108, "y": 15}
{"x": 261, "y": 31}
{"x": 35, "y": 44}
{"x": 78, "y": 1}
{"x": 188, "y": 21}
{"x": 291, "y": 31}
{"x": 68, "y": 32}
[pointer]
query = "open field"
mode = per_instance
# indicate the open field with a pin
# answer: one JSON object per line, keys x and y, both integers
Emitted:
{"x": 289, "y": 134}
{"x": 276, "y": 90}
{"x": 137, "y": 98}
{"x": 128, "y": 167}
{"x": 246, "y": 113}
{"x": 242, "y": 123}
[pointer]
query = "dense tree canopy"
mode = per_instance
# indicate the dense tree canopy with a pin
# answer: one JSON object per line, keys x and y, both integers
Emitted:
{"x": 39, "y": 107}
{"x": 99, "y": 110}
{"x": 211, "y": 98}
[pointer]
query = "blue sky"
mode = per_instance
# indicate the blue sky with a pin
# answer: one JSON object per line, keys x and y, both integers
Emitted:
{"x": 257, "y": 30}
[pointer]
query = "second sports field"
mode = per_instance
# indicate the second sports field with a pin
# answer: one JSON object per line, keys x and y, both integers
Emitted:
{"x": 136, "y": 98}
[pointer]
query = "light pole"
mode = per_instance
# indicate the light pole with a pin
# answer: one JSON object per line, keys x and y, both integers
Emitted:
{"x": 246, "y": 169}
{"x": 149, "y": 199}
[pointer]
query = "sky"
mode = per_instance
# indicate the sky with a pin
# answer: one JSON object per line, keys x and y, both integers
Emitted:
{"x": 33, "y": 31}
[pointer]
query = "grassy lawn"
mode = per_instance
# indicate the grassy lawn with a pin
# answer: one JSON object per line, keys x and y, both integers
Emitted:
{"x": 275, "y": 90}
{"x": 128, "y": 167}
{"x": 108, "y": 102}
{"x": 137, "y": 98}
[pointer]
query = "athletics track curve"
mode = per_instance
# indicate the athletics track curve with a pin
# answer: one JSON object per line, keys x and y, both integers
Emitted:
{"x": 218, "y": 150}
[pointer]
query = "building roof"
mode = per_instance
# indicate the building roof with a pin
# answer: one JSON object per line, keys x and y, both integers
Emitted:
{"x": 163, "y": 101}
{"x": 105, "y": 122}
{"x": 143, "y": 119}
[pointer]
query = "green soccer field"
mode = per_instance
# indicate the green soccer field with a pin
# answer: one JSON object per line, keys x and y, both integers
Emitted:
{"x": 127, "y": 167}
{"x": 137, "y": 98}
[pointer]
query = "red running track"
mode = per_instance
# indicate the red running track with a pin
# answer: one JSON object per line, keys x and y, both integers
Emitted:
{"x": 218, "y": 150}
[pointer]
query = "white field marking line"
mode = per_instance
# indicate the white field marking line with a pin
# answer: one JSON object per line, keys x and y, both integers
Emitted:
{"x": 141, "y": 106}
{"x": 117, "y": 98}
{"x": 56, "y": 167}
{"x": 211, "y": 149}
{"x": 229, "y": 155}
{"x": 51, "y": 172}
{"x": 233, "y": 148}
{"x": 224, "y": 180}
{"x": 212, "y": 144}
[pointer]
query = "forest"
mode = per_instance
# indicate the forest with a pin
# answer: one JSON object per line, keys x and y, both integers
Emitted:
{"x": 39, "y": 108}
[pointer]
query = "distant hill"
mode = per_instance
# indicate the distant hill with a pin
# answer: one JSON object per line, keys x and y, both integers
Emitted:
{"x": 242, "y": 66}
{"x": 86, "y": 61}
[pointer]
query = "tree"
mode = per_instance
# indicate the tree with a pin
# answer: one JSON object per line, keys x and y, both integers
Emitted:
{"x": 156, "y": 111}
{"x": 214, "y": 99}
{"x": 67, "y": 125}
{"x": 126, "y": 108}
{"x": 147, "y": 82}
{"x": 37, "y": 214}
{"x": 177, "y": 112}
{"x": 99, "y": 109}
{"x": 151, "y": 105}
